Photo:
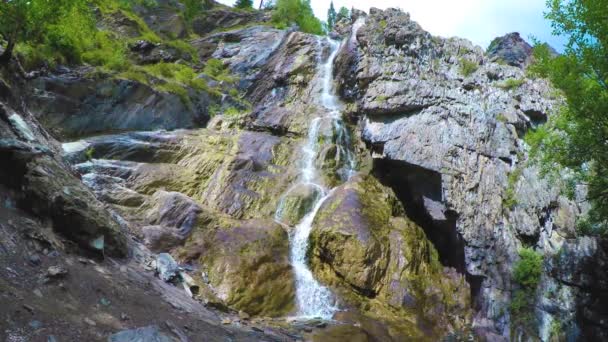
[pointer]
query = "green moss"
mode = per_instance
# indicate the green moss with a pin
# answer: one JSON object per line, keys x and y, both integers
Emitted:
{"x": 467, "y": 67}
{"x": 501, "y": 118}
{"x": 382, "y": 24}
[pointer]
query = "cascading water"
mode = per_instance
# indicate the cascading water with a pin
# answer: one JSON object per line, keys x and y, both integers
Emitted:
{"x": 314, "y": 299}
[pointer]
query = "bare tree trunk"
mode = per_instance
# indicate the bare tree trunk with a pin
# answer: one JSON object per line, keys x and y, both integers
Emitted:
{"x": 261, "y": 4}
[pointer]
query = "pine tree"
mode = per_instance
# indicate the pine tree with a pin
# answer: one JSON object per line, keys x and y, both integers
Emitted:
{"x": 244, "y": 4}
{"x": 331, "y": 16}
{"x": 343, "y": 13}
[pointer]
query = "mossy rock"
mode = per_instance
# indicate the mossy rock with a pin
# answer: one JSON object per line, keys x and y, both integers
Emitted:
{"x": 248, "y": 267}
{"x": 350, "y": 233}
{"x": 381, "y": 263}
{"x": 297, "y": 202}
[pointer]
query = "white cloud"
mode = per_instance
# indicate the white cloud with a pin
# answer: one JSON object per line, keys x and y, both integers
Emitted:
{"x": 477, "y": 20}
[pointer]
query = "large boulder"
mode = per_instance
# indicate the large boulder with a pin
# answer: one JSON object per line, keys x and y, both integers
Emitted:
{"x": 377, "y": 259}
{"x": 248, "y": 266}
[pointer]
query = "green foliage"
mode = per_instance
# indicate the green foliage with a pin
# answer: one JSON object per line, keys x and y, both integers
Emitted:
{"x": 177, "y": 73}
{"x": 89, "y": 153}
{"x": 234, "y": 112}
{"x": 343, "y": 13}
{"x": 192, "y": 8}
{"x": 107, "y": 52}
{"x": 509, "y": 200}
{"x": 382, "y": 24}
{"x": 519, "y": 301}
{"x": 244, "y": 4}
{"x": 512, "y": 83}
{"x": 526, "y": 273}
{"x": 528, "y": 269}
{"x": 575, "y": 138}
{"x": 184, "y": 47}
{"x": 467, "y": 67}
{"x": 556, "y": 331}
{"x": 216, "y": 69}
{"x": 62, "y": 31}
{"x": 288, "y": 12}
{"x": 331, "y": 16}
{"x": 172, "y": 78}
{"x": 588, "y": 225}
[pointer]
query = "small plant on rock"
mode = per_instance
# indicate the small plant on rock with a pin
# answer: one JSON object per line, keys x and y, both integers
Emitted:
{"x": 527, "y": 273}
{"x": 467, "y": 67}
{"x": 512, "y": 83}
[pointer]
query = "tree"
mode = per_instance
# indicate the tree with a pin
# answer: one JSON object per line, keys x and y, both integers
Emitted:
{"x": 36, "y": 21}
{"x": 343, "y": 13}
{"x": 576, "y": 138}
{"x": 331, "y": 16}
{"x": 244, "y": 4}
{"x": 14, "y": 25}
{"x": 288, "y": 12}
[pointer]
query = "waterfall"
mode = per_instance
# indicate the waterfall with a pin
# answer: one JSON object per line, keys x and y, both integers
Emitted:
{"x": 313, "y": 299}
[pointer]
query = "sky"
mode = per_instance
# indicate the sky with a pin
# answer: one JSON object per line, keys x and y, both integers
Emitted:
{"x": 477, "y": 20}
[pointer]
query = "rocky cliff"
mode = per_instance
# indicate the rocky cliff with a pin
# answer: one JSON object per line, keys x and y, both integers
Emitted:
{"x": 421, "y": 243}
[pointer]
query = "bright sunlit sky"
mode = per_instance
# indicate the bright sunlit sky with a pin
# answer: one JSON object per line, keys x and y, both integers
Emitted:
{"x": 477, "y": 20}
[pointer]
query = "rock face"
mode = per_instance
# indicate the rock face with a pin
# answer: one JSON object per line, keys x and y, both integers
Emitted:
{"x": 510, "y": 49}
{"x": 445, "y": 126}
{"x": 38, "y": 181}
{"x": 73, "y": 104}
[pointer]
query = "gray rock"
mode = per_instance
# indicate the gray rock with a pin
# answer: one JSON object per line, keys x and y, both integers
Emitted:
{"x": 166, "y": 267}
{"x": 510, "y": 49}
{"x": 75, "y": 104}
{"x": 150, "y": 333}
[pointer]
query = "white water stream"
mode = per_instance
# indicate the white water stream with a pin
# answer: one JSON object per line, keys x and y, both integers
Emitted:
{"x": 314, "y": 299}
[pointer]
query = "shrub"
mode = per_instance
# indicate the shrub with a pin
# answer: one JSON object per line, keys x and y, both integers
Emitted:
{"x": 509, "y": 200}
{"x": 512, "y": 83}
{"x": 216, "y": 69}
{"x": 468, "y": 67}
{"x": 528, "y": 269}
